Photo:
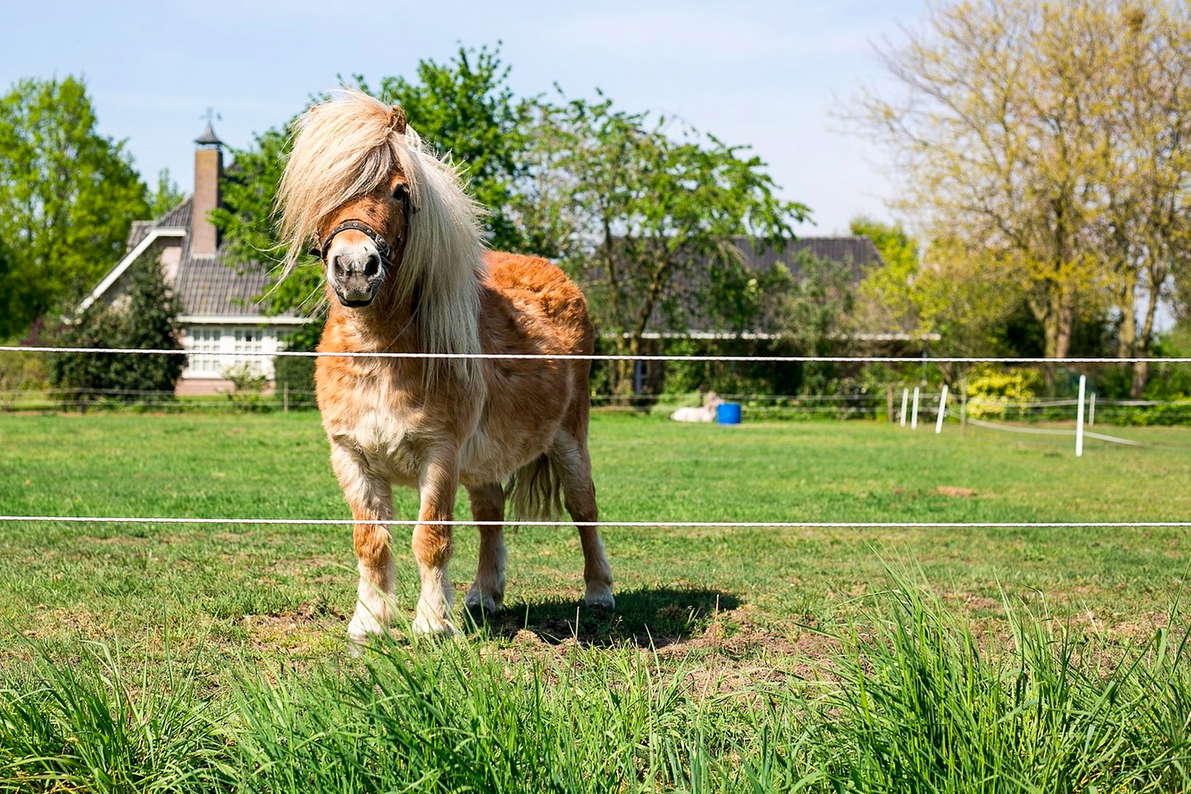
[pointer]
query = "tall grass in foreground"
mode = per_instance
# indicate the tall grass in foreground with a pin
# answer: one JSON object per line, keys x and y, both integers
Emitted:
{"x": 912, "y": 702}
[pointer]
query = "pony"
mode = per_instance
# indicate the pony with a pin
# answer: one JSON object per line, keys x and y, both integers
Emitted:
{"x": 406, "y": 271}
{"x": 704, "y": 414}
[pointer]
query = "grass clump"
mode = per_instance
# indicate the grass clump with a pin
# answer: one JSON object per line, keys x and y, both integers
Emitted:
{"x": 912, "y": 699}
{"x": 924, "y": 704}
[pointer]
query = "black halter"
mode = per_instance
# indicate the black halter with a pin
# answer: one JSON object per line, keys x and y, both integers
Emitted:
{"x": 382, "y": 245}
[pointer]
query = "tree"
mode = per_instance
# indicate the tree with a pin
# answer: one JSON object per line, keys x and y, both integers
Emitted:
{"x": 887, "y": 292}
{"x": 816, "y": 316}
{"x": 463, "y": 107}
{"x": 67, "y": 197}
{"x": 166, "y": 196}
{"x": 467, "y": 109}
{"x": 641, "y": 209}
{"x": 1053, "y": 135}
{"x": 145, "y": 318}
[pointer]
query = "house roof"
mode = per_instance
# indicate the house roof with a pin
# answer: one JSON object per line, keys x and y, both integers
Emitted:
{"x": 857, "y": 255}
{"x": 217, "y": 286}
{"x": 177, "y": 218}
{"x": 212, "y": 286}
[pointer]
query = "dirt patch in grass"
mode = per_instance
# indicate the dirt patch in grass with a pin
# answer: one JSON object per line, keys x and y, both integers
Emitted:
{"x": 953, "y": 490}
{"x": 301, "y": 631}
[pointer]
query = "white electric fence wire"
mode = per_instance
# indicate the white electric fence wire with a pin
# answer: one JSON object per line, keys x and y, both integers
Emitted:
{"x": 626, "y": 524}
{"x": 916, "y": 360}
{"x": 1051, "y": 431}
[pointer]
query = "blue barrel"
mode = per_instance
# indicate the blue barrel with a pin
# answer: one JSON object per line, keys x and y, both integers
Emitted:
{"x": 728, "y": 413}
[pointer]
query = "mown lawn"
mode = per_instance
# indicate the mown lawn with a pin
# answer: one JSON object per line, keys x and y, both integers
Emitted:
{"x": 719, "y": 636}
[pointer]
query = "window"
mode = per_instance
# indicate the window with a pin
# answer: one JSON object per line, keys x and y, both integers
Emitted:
{"x": 248, "y": 340}
{"x": 203, "y": 342}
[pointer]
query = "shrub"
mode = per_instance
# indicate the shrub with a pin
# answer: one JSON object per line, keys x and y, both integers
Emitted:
{"x": 293, "y": 376}
{"x": 148, "y": 321}
{"x": 991, "y": 393}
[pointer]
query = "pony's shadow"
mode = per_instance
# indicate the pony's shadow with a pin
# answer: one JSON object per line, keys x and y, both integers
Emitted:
{"x": 647, "y": 618}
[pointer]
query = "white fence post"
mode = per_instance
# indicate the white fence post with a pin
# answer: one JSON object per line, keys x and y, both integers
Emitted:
{"x": 914, "y": 411}
{"x": 905, "y": 401}
{"x": 942, "y": 409}
{"x": 1092, "y": 410}
{"x": 1083, "y": 382}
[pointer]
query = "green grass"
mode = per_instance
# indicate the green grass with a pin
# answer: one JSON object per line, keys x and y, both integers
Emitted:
{"x": 738, "y": 659}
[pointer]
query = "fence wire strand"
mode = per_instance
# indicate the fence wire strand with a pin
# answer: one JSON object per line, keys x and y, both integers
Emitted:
{"x": 602, "y": 524}
{"x": 604, "y": 357}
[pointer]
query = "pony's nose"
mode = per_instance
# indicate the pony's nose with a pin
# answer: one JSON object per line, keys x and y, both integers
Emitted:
{"x": 347, "y": 265}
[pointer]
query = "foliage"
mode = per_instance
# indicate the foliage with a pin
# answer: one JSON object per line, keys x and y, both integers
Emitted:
{"x": 646, "y": 211}
{"x": 67, "y": 198}
{"x": 816, "y": 317}
{"x": 248, "y": 385}
{"x": 294, "y": 377}
{"x": 1053, "y": 139}
{"x": 245, "y": 219}
{"x": 463, "y": 107}
{"x": 466, "y": 108}
{"x": 991, "y": 390}
{"x": 146, "y": 319}
{"x": 888, "y": 292}
{"x": 166, "y": 196}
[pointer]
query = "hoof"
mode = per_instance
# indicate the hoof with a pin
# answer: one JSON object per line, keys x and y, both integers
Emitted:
{"x": 364, "y": 627}
{"x": 477, "y": 602}
{"x": 600, "y": 599}
{"x": 433, "y": 627}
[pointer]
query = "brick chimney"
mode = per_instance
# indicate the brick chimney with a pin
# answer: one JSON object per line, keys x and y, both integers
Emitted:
{"x": 208, "y": 168}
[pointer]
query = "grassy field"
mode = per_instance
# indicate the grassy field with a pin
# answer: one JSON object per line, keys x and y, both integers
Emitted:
{"x": 181, "y": 657}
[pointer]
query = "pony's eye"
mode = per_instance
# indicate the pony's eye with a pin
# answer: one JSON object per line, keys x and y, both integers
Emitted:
{"x": 401, "y": 192}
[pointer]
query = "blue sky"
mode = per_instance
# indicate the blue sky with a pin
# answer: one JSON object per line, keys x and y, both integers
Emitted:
{"x": 759, "y": 73}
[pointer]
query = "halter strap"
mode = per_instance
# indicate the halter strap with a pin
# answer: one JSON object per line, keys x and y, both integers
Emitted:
{"x": 382, "y": 245}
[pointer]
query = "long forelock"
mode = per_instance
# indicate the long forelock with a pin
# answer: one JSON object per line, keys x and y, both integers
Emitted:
{"x": 345, "y": 149}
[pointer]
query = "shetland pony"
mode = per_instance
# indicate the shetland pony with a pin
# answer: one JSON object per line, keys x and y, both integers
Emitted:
{"x": 406, "y": 271}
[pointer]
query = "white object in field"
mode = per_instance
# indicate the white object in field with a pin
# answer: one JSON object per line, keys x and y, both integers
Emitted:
{"x": 1083, "y": 382}
{"x": 905, "y": 400}
{"x": 704, "y": 414}
{"x": 914, "y": 411}
{"x": 942, "y": 409}
{"x": 1092, "y": 410}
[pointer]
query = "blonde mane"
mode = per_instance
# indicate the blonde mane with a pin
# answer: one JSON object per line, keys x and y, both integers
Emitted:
{"x": 345, "y": 148}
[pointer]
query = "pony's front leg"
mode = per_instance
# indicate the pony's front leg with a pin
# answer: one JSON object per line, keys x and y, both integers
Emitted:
{"x": 432, "y": 545}
{"x": 370, "y": 499}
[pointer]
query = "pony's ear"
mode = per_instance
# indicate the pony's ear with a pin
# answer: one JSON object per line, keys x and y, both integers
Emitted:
{"x": 397, "y": 120}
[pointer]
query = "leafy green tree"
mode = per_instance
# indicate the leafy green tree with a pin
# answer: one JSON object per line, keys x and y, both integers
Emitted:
{"x": 888, "y": 291}
{"x": 67, "y": 197}
{"x": 466, "y": 108}
{"x": 643, "y": 208}
{"x": 817, "y": 313}
{"x": 145, "y": 318}
{"x": 166, "y": 196}
{"x": 463, "y": 107}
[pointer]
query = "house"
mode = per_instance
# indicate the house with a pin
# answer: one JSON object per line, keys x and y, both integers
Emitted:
{"x": 218, "y": 299}
{"x": 855, "y": 256}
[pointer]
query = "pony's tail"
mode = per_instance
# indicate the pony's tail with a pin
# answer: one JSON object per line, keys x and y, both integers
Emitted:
{"x": 535, "y": 490}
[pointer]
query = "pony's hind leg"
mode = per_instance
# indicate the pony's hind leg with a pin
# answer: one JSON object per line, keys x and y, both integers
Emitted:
{"x": 574, "y": 466}
{"x": 370, "y": 499}
{"x": 488, "y": 590}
